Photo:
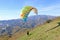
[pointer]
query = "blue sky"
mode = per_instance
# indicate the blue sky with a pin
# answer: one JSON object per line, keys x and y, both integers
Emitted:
{"x": 10, "y": 9}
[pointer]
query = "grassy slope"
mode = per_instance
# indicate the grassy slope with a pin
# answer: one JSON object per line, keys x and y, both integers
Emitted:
{"x": 39, "y": 33}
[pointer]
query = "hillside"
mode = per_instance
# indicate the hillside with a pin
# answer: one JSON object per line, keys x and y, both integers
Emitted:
{"x": 40, "y": 32}
{"x": 11, "y": 26}
{"x": 16, "y": 25}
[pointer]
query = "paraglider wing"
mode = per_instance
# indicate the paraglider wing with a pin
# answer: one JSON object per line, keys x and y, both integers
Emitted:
{"x": 25, "y": 12}
{"x": 35, "y": 10}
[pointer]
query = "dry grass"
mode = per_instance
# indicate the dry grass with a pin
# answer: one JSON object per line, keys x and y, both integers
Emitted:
{"x": 39, "y": 33}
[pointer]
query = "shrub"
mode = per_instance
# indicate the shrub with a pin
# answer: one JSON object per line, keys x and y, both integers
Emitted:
{"x": 59, "y": 23}
{"x": 48, "y": 21}
{"x": 27, "y": 32}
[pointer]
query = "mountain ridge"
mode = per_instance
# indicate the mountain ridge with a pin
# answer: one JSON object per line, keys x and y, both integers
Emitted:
{"x": 9, "y": 25}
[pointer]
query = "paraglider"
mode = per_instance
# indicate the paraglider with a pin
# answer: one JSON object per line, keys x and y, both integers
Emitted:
{"x": 25, "y": 12}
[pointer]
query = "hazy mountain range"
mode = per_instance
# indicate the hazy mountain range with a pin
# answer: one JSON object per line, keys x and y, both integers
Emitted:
{"x": 15, "y": 24}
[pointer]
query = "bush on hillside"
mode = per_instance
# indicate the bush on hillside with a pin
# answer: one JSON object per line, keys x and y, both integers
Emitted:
{"x": 27, "y": 32}
{"x": 48, "y": 21}
{"x": 59, "y": 23}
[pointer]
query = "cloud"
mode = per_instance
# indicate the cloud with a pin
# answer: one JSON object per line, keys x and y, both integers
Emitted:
{"x": 9, "y": 14}
{"x": 53, "y": 10}
{"x": 0, "y": 17}
{"x": 49, "y": 8}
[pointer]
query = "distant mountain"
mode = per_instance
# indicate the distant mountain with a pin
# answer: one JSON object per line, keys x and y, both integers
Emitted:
{"x": 9, "y": 25}
{"x": 18, "y": 22}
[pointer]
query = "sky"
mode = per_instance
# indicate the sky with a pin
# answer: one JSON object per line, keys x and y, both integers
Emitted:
{"x": 10, "y": 9}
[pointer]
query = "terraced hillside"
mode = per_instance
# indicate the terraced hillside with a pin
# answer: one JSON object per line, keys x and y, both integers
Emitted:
{"x": 41, "y": 32}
